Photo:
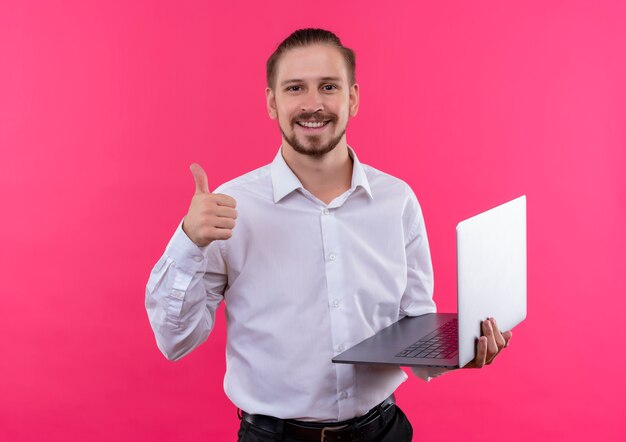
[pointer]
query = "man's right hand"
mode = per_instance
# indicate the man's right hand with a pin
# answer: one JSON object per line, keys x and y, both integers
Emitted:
{"x": 211, "y": 216}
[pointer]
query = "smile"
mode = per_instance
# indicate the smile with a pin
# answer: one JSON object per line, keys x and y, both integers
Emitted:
{"x": 312, "y": 124}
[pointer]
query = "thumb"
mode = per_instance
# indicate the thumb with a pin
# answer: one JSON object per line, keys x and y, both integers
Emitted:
{"x": 199, "y": 176}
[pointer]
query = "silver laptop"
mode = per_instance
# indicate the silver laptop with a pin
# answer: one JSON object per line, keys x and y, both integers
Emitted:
{"x": 491, "y": 274}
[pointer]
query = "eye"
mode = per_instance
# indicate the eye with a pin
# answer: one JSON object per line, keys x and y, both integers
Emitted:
{"x": 329, "y": 87}
{"x": 293, "y": 88}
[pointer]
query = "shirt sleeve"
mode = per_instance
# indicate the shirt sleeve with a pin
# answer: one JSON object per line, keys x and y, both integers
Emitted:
{"x": 418, "y": 296}
{"x": 183, "y": 292}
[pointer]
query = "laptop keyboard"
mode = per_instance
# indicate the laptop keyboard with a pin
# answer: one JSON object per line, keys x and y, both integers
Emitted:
{"x": 440, "y": 344}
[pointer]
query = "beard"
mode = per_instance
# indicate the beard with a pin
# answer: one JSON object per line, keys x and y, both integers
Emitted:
{"x": 315, "y": 149}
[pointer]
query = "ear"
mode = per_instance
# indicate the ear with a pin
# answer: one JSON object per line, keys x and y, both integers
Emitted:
{"x": 271, "y": 103}
{"x": 354, "y": 99}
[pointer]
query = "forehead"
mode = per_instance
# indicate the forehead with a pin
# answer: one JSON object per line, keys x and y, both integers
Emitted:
{"x": 310, "y": 63}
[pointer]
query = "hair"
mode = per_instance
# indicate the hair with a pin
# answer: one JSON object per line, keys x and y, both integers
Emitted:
{"x": 307, "y": 37}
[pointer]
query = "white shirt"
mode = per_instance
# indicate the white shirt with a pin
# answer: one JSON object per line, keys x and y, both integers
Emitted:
{"x": 302, "y": 282}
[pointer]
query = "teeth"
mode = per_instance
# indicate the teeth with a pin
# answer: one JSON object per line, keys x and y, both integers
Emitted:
{"x": 311, "y": 123}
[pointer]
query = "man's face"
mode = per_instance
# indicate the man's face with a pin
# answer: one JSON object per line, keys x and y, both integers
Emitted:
{"x": 312, "y": 99}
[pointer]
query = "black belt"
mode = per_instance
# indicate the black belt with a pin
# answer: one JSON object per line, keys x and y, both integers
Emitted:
{"x": 353, "y": 429}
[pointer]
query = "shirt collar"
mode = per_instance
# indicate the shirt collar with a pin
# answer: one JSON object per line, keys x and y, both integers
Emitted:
{"x": 284, "y": 181}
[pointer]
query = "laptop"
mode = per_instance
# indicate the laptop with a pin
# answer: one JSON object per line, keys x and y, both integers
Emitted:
{"x": 491, "y": 282}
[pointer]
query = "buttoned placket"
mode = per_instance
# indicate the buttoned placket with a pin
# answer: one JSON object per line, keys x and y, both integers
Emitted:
{"x": 336, "y": 300}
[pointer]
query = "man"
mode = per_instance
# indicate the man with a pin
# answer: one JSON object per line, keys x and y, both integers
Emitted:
{"x": 326, "y": 252}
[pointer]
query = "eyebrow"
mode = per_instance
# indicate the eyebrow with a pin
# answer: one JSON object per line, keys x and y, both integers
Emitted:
{"x": 298, "y": 80}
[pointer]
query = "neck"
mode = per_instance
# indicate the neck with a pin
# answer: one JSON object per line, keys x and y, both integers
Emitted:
{"x": 326, "y": 177}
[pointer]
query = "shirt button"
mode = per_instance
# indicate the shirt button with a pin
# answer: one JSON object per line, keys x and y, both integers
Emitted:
{"x": 197, "y": 258}
{"x": 335, "y": 303}
{"x": 343, "y": 395}
{"x": 332, "y": 256}
{"x": 326, "y": 211}
{"x": 178, "y": 294}
{"x": 341, "y": 347}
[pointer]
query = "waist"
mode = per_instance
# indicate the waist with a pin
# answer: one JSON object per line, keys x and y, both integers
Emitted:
{"x": 291, "y": 392}
{"x": 369, "y": 422}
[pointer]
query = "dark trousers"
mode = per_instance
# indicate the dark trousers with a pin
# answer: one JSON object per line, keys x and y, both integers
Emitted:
{"x": 398, "y": 429}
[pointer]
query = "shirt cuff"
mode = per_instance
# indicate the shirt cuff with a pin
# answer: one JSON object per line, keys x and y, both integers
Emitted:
{"x": 428, "y": 373}
{"x": 186, "y": 254}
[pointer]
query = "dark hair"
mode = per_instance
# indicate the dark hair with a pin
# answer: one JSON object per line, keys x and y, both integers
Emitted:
{"x": 306, "y": 37}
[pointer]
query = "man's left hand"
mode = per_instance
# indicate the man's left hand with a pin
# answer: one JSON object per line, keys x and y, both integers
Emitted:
{"x": 490, "y": 344}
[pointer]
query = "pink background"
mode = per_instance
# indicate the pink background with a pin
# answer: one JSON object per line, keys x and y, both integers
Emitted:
{"x": 103, "y": 106}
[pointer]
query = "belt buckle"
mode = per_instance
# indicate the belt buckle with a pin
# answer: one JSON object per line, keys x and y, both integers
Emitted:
{"x": 330, "y": 430}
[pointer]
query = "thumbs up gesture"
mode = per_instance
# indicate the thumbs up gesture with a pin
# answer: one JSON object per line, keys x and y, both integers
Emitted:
{"x": 211, "y": 216}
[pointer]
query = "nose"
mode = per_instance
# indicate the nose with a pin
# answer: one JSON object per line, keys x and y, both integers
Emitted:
{"x": 312, "y": 101}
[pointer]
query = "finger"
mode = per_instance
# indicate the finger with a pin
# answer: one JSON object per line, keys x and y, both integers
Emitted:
{"x": 200, "y": 178}
{"x": 208, "y": 205}
{"x": 224, "y": 223}
{"x": 226, "y": 212}
{"x": 492, "y": 347}
{"x": 500, "y": 341}
{"x": 481, "y": 352}
{"x": 507, "y": 335}
{"x": 225, "y": 200}
{"x": 221, "y": 233}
